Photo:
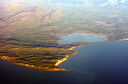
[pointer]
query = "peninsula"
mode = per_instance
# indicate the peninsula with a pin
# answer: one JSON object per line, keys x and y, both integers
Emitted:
{"x": 46, "y": 64}
{"x": 29, "y": 32}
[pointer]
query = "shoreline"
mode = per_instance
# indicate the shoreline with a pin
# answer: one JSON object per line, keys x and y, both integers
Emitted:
{"x": 125, "y": 39}
{"x": 64, "y": 59}
{"x": 60, "y": 61}
{"x": 56, "y": 69}
{"x": 11, "y": 59}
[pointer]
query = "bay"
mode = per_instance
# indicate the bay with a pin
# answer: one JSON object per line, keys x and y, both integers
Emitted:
{"x": 107, "y": 62}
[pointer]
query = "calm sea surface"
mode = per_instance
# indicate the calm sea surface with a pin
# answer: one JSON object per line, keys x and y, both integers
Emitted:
{"x": 106, "y": 62}
{"x": 103, "y": 63}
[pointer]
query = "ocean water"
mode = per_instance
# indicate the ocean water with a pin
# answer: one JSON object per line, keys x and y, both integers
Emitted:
{"x": 106, "y": 62}
{"x": 102, "y": 63}
{"x": 13, "y": 74}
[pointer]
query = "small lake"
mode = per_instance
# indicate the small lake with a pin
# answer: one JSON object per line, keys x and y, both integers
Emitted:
{"x": 81, "y": 37}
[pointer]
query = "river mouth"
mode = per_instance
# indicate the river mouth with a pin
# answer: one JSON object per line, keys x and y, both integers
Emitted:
{"x": 81, "y": 37}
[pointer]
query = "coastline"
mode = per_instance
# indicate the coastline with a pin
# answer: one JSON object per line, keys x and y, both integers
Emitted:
{"x": 11, "y": 59}
{"x": 59, "y": 61}
{"x": 64, "y": 59}
{"x": 125, "y": 39}
{"x": 56, "y": 69}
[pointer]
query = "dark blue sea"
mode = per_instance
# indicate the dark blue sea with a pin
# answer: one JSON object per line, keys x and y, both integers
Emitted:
{"x": 102, "y": 63}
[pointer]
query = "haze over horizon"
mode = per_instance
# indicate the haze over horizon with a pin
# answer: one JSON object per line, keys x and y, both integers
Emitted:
{"x": 85, "y": 2}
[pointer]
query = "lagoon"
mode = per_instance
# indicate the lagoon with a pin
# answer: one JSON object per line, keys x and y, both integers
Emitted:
{"x": 81, "y": 37}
